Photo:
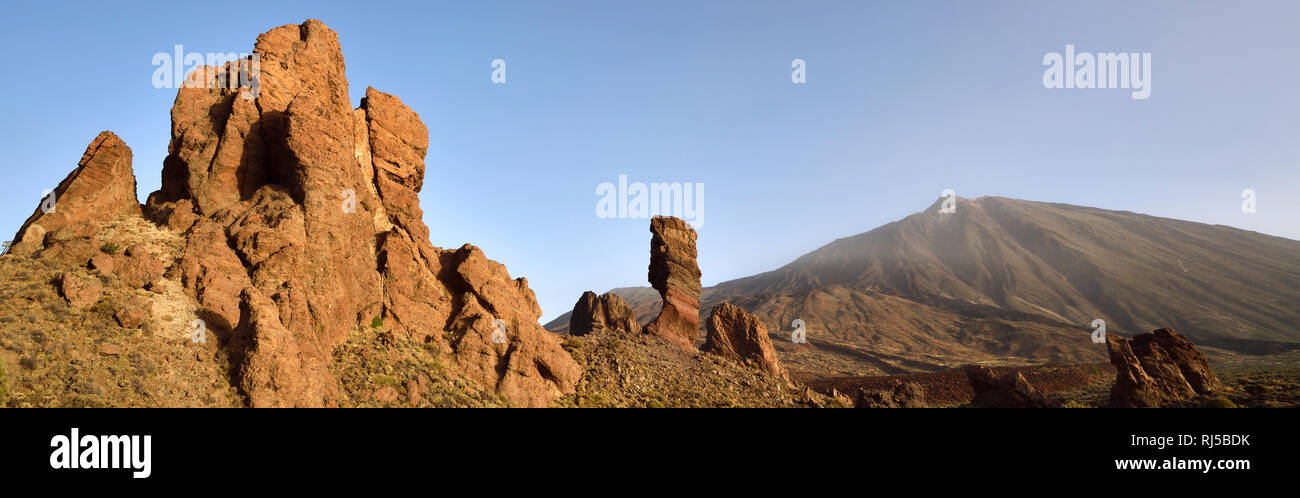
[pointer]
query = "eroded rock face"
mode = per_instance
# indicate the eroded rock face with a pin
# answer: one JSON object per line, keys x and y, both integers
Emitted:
{"x": 675, "y": 274}
{"x": 102, "y": 187}
{"x": 302, "y": 223}
{"x": 1008, "y": 391}
{"x": 598, "y": 314}
{"x": 740, "y": 336}
{"x": 1157, "y": 368}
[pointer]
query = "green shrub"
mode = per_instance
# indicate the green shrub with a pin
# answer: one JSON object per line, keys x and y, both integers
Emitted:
{"x": 377, "y": 323}
{"x": 1219, "y": 402}
{"x": 108, "y": 248}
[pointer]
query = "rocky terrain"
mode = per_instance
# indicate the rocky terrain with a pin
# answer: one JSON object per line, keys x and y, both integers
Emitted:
{"x": 1006, "y": 282}
{"x": 293, "y": 229}
{"x": 285, "y": 262}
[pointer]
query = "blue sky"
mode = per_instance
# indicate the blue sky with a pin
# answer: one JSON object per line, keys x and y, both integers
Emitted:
{"x": 902, "y": 101}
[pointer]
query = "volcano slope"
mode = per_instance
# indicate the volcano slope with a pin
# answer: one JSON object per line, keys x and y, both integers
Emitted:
{"x": 1010, "y": 282}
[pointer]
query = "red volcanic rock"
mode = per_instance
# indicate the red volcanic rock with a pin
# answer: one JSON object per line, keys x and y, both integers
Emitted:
{"x": 281, "y": 370}
{"x": 1009, "y": 391}
{"x": 398, "y": 139}
{"x": 137, "y": 266}
{"x": 1157, "y": 368}
{"x": 101, "y": 188}
{"x": 430, "y": 291}
{"x": 302, "y": 223}
{"x": 537, "y": 368}
{"x": 675, "y": 274}
{"x": 130, "y": 317}
{"x": 80, "y": 291}
{"x": 608, "y": 312}
{"x": 739, "y": 336}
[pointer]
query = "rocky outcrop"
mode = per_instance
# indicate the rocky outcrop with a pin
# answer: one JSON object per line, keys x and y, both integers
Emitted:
{"x": 102, "y": 187}
{"x": 675, "y": 274}
{"x": 137, "y": 267}
{"x": 301, "y": 224}
{"x": 80, "y": 291}
{"x": 1157, "y": 368}
{"x": 740, "y": 336}
{"x": 606, "y": 313}
{"x": 902, "y": 395}
{"x": 1008, "y": 391}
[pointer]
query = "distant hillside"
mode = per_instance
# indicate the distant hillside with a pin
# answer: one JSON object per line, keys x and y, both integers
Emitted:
{"x": 1011, "y": 281}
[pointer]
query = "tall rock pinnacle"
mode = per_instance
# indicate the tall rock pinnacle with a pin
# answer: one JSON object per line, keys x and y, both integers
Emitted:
{"x": 675, "y": 274}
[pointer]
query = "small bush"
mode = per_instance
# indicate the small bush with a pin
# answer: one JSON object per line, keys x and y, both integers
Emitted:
{"x": 377, "y": 323}
{"x": 1219, "y": 402}
{"x": 108, "y": 248}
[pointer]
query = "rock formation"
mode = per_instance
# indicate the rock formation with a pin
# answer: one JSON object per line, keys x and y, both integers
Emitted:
{"x": 606, "y": 313}
{"x": 101, "y": 187}
{"x": 674, "y": 273}
{"x": 1008, "y": 391}
{"x": 80, "y": 291}
{"x": 301, "y": 223}
{"x": 902, "y": 395}
{"x": 1157, "y": 368}
{"x": 739, "y": 336}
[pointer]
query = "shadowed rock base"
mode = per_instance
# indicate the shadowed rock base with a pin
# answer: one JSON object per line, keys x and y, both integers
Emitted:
{"x": 606, "y": 313}
{"x": 1157, "y": 368}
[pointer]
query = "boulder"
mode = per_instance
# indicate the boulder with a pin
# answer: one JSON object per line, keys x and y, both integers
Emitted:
{"x": 606, "y": 313}
{"x": 130, "y": 317}
{"x": 137, "y": 267}
{"x": 1008, "y": 391}
{"x": 739, "y": 336}
{"x": 901, "y": 395}
{"x": 81, "y": 291}
{"x": 675, "y": 274}
{"x": 1158, "y": 368}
